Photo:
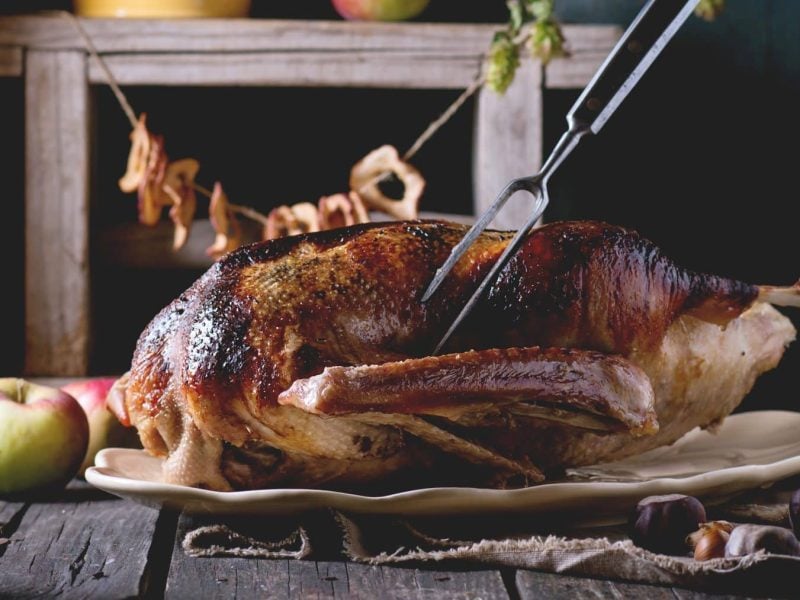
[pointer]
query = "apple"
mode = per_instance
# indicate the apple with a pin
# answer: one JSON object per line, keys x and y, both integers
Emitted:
{"x": 43, "y": 436}
{"x": 104, "y": 428}
{"x": 379, "y": 10}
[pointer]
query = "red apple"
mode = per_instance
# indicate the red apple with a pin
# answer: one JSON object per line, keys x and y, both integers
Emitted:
{"x": 43, "y": 436}
{"x": 379, "y": 10}
{"x": 104, "y": 428}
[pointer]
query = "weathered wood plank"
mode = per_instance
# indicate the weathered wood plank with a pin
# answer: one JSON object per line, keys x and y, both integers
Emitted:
{"x": 309, "y": 579}
{"x": 247, "y": 578}
{"x": 258, "y": 578}
{"x": 401, "y": 583}
{"x": 254, "y": 35}
{"x": 137, "y": 246}
{"x": 213, "y": 578}
{"x": 533, "y": 584}
{"x": 588, "y": 46}
{"x": 56, "y": 213}
{"x": 95, "y": 549}
{"x": 508, "y": 143}
{"x": 10, "y": 513}
{"x": 221, "y": 578}
{"x": 243, "y": 35}
{"x": 250, "y": 39}
{"x": 10, "y": 61}
{"x": 683, "y": 594}
{"x": 591, "y": 38}
{"x": 574, "y": 72}
{"x": 408, "y": 69}
{"x": 419, "y": 70}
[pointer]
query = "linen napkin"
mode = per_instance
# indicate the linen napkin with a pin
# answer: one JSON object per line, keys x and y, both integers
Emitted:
{"x": 501, "y": 541}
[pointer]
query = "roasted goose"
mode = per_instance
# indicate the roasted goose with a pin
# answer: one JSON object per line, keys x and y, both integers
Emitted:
{"x": 305, "y": 361}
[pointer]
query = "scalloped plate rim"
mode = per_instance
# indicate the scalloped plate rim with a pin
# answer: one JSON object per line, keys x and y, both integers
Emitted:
{"x": 601, "y": 498}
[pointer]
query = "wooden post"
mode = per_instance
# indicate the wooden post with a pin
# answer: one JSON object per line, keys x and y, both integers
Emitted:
{"x": 508, "y": 143}
{"x": 56, "y": 213}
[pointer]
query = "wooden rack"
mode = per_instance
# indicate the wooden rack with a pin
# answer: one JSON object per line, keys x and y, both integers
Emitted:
{"x": 51, "y": 57}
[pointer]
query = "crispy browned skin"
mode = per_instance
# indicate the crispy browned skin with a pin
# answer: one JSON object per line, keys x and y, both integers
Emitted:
{"x": 216, "y": 360}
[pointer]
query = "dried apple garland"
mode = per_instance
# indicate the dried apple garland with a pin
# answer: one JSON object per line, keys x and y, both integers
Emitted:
{"x": 160, "y": 183}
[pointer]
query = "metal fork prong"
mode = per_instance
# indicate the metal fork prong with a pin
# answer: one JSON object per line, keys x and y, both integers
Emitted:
{"x": 478, "y": 228}
{"x": 508, "y": 253}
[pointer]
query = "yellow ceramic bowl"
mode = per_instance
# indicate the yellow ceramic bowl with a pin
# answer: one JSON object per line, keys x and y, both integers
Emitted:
{"x": 162, "y": 9}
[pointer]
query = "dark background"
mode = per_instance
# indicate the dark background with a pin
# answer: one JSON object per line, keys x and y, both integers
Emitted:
{"x": 702, "y": 158}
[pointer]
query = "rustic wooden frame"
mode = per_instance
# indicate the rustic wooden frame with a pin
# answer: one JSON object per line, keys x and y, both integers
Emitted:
{"x": 50, "y": 55}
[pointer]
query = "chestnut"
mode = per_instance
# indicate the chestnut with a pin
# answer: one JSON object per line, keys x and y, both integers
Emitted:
{"x": 709, "y": 541}
{"x": 662, "y": 523}
{"x": 746, "y": 539}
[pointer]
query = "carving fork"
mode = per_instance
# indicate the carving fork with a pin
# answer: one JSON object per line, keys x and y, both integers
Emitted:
{"x": 639, "y": 46}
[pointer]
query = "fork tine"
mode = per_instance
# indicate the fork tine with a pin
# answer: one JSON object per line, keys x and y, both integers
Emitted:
{"x": 459, "y": 249}
{"x": 511, "y": 249}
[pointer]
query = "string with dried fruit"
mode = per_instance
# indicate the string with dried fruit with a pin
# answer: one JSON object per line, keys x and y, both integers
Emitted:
{"x": 160, "y": 183}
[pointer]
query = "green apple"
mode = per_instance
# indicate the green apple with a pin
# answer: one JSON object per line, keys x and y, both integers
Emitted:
{"x": 379, "y": 10}
{"x": 104, "y": 429}
{"x": 43, "y": 436}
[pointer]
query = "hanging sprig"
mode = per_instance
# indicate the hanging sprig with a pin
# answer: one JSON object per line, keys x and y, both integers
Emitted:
{"x": 503, "y": 62}
{"x": 544, "y": 40}
{"x": 533, "y": 23}
{"x": 709, "y": 9}
{"x": 547, "y": 39}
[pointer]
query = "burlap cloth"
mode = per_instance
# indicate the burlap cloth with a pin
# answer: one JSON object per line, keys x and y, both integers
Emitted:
{"x": 505, "y": 541}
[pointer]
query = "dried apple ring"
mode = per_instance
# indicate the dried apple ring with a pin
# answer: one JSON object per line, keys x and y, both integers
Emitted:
{"x": 182, "y": 215}
{"x": 367, "y": 173}
{"x": 179, "y": 186}
{"x": 224, "y": 222}
{"x": 181, "y": 173}
{"x": 151, "y": 194}
{"x": 137, "y": 158}
{"x": 307, "y": 217}
{"x": 341, "y": 210}
{"x": 284, "y": 220}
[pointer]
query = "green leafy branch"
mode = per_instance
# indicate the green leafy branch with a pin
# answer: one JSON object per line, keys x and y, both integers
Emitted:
{"x": 533, "y": 24}
{"x": 709, "y": 9}
{"x": 544, "y": 40}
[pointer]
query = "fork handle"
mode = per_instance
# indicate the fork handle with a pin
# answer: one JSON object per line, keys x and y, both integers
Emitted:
{"x": 639, "y": 46}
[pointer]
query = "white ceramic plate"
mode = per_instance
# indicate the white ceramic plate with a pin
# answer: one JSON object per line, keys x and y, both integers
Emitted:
{"x": 750, "y": 450}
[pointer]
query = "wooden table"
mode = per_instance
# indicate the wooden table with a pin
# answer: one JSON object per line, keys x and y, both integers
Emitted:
{"x": 83, "y": 543}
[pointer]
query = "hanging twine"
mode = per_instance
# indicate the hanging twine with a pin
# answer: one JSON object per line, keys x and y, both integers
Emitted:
{"x": 251, "y": 213}
{"x": 110, "y": 80}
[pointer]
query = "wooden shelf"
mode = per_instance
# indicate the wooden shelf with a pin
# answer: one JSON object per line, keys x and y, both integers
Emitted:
{"x": 135, "y": 246}
{"x": 268, "y": 52}
{"x": 51, "y": 57}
